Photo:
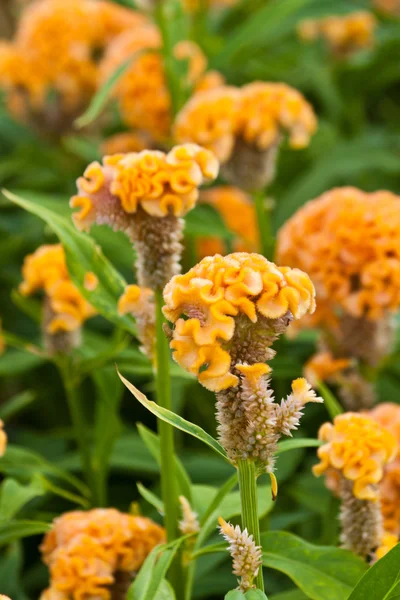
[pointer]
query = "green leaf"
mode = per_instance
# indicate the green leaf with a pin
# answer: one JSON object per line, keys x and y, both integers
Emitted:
{"x": 234, "y": 595}
{"x": 174, "y": 419}
{"x": 321, "y": 572}
{"x": 16, "y": 404}
{"x": 293, "y": 444}
{"x": 219, "y": 496}
{"x": 382, "y": 580}
{"x": 11, "y": 578}
{"x": 290, "y": 595}
{"x": 83, "y": 256}
{"x": 100, "y": 98}
{"x": 14, "y": 495}
{"x": 331, "y": 403}
{"x": 255, "y": 595}
{"x": 151, "y": 498}
{"x": 16, "y": 362}
{"x": 148, "y": 582}
{"x": 15, "y": 530}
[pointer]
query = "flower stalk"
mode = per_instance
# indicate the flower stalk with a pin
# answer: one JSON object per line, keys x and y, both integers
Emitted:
{"x": 248, "y": 497}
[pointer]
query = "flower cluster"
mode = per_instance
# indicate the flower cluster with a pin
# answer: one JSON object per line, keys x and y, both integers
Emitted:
{"x": 55, "y": 47}
{"x": 140, "y": 303}
{"x": 90, "y": 554}
{"x": 238, "y": 213}
{"x": 144, "y": 194}
{"x": 343, "y": 34}
{"x": 353, "y": 458}
{"x": 46, "y": 270}
{"x": 246, "y": 555}
{"x": 348, "y": 242}
{"x": 257, "y": 113}
{"x": 359, "y": 448}
{"x": 214, "y": 296}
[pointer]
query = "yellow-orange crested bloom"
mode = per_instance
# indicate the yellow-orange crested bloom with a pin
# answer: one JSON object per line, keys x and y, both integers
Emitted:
{"x": 127, "y": 141}
{"x": 142, "y": 92}
{"x": 387, "y": 414}
{"x": 323, "y": 366}
{"x": 214, "y": 294}
{"x": 358, "y": 448}
{"x": 349, "y": 243}
{"x": 238, "y": 213}
{"x": 388, "y": 542}
{"x": 159, "y": 183}
{"x": 140, "y": 303}
{"x": 3, "y": 439}
{"x": 258, "y": 114}
{"x": 89, "y": 552}
{"x": 46, "y": 270}
{"x": 59, "y": 40}
{"x": 344, "y": 34}
{"x": 390, "y": 7}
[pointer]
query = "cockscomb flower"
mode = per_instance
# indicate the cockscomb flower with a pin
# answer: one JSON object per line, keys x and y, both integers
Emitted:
{"x": 3, "y": 439}
{"x": 127, "y": 141}
{"x": 357, "y": 449}
{"x": 238, "y": 213}
{"x": 246, "y": 555}
{"x": 97, "y": 553}
{"x": 390, "y": 7}
{"x": 139, "y": 302}
{"x": 344, "y": 34}
{"x": 324, "y": 367}
{"x": 58, "y": 42}
{"x": 388, "y": 542}
{"x": 227, "y": 312}
{"x": 145, "y": 194}
{"x": 142, "y": 92}
{"x": 244, "y": 127}
{"x": 349, "y": 243}
{"x": 64, "y": 308}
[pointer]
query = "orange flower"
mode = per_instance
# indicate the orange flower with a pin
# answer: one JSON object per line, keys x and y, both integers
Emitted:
{"x": 257, "y": 114}
{"x": 46, "y": 270}
{"x": 358, "y": 448}
{"x": 344, "y": 34}
{"x": 140, "y": 303}
{"x": 391, "y": 7}
{"x": 86, "y": 551}
{"x": 349, "y": 243}
{"x": 127, "y": 141}
{"x": 238, "y": 213}
{"x": 388, "y": 542}
{"x": 323, "y": 366}
{"x": 3, "y": 441}
{"x": 213, "y": 294}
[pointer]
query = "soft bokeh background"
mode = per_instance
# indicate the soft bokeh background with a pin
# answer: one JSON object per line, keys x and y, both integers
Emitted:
{"x": 357, "y": 143}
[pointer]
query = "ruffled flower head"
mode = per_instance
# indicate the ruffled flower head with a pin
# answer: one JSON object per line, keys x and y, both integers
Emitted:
{"x": 139, "y": 302}
{"x": 220, "y": 298}
{"x": 359, "y": 448}
{"x": 349, "y": 243}
{"x": 323, "y": 366}
{"x": 92, "y": 553}
{"x": 344, "y": 34}
{"x": 46, "y": 270}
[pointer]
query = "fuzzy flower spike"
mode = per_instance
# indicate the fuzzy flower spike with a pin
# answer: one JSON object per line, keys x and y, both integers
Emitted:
{"x": 244, "y": 128}
{"x": 96, "y": 554}
{"x": 246, "y": 555}
{"x": 353, "y": 457}
{"x": 348, "y": 241}
{"x": 145, "y": 194}
{"x": 227, "y": 312}
{"x": 64, "y": 308}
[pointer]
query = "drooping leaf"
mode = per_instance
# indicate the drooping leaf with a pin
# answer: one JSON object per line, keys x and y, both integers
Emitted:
{"x": 16, "y": 404}
{"x": 296, "y": 443}
{"x": 16, "y": 530}
{"x": 14, "y": 495}
{"x": 321, "y": 572}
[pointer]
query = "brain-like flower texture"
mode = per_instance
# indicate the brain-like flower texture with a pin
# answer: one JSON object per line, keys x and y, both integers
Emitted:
{"x": 358, "y": 448}
{"x": 87, "y": 552}
{"x": 205, "y": 303}
{"x": 348, "y": 241}
{"x": 344, "y": 34}
{"x": 46, "y": 270}
{"x": 258, "y": 114}
{"x": 157, "y": 182}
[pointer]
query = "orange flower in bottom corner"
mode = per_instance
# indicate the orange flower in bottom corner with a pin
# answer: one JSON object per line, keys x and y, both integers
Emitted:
{"x": 96, "y": 554}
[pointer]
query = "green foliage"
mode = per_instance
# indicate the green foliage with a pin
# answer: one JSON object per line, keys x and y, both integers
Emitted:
{"x": 382, "y": 581}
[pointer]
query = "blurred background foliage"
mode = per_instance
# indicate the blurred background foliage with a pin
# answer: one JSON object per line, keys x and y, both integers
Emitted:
{"x": 357, "y": 143}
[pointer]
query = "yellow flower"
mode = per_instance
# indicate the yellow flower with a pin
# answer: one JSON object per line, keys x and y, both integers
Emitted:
{"x": 127, "y": 141}
{"x": 344, "y": 34}
{"x": 258, "y": 114}
{"x": 357, "y": 447}
{"x": 140, "y": 303}
{"x": 323, "y": 366}
{"x": 3, "y": 441}
{"x": 348, "y": 241}
{"x": 388, "y": 542}
{"x": 87, "y": 551}
{"x": 213, "y": 294}
{"x": 46, "y": 270}
{"x": 391, "y": 7}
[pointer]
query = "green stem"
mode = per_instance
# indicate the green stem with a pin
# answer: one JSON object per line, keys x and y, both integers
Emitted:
{"x": 164, "y": 17}
{"x": 264, "y": 225}
{"x": 169, "y": 488}
{"x": 248, "y": 498}
{"x": 80, "y": 427}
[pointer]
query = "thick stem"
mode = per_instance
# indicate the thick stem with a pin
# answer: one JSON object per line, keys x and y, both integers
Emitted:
{"x": 248, "y": 498}
{"x": 169, "y": 490}
{"x": 264, "y": 226}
